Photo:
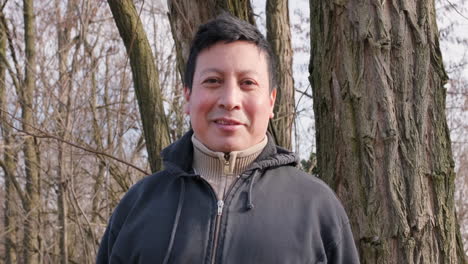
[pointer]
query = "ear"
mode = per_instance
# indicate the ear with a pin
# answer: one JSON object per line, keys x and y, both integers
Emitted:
{"x": 272, "y": 102}
{"x": 187, "y": 100}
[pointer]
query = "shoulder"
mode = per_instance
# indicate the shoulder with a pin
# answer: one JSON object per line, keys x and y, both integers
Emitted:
{"x": 138, "y": 193}
{"x": 323, "y": 206}
{"x": 148, "y": 182}
{"x": 304, "y": 184}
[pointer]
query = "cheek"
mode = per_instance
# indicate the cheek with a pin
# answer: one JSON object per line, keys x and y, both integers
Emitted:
{"x": 260, "y": 111}
{"x": 199, "y": 105}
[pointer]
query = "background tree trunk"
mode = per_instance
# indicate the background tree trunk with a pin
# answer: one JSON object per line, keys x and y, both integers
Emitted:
{"x": 8, "y": 163}
{"x": 63, "y": 27}
{"x": 186, "y": 16}
{"x": 145, "y": 78}
{"x": 279, "y": 36}
{"x": 31, "y": 159}
{"x": 382, "y": 137}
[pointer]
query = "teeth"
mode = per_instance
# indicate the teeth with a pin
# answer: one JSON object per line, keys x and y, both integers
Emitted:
{"x": 224, "y": 122}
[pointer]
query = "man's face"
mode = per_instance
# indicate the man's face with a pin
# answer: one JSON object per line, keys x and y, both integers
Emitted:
{"x": 230, "y": 102}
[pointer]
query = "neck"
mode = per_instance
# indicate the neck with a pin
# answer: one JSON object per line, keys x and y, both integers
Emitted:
{"x": 219, "y": 168}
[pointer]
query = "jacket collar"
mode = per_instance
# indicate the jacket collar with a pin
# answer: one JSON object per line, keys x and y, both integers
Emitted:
{"x": 179, "y": 155}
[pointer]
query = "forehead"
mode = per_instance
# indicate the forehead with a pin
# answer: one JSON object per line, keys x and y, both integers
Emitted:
{"x": 237, "y": 55}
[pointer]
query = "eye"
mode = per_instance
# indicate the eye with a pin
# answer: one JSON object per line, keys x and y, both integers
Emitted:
{"x": 212, "y": 82}
{"x": 248, "y": 84}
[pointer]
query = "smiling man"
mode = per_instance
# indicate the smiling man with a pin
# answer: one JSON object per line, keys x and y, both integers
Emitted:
{"x": 228, "y": 194}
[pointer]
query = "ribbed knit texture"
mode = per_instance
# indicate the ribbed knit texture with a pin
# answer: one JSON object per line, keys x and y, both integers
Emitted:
{"x": 219, "y": 172}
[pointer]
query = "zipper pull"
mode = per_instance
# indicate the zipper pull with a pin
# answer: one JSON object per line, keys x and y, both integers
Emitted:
{"x": 226, "y": 164}
{"x": 220, "y": 207}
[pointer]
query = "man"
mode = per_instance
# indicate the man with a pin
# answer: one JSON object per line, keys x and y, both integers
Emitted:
{"x": 228, "y": 194}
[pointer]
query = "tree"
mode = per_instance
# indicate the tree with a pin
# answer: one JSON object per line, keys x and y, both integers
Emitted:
{"x": 8, "y": 163}
{"x": 31, "y": 159}
{"x": 84, "y": 125}
{"x": 279, "y": 36}
{"x": 145, "y": 78}
{"x": 64, "y": 26}
{"x": 185, "y": 16}
{"x": 382, "y": 137}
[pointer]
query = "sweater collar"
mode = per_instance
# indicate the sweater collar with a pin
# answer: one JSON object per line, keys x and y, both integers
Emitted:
{"x": 211, "y": 163}
{"x": 179, "y": 155}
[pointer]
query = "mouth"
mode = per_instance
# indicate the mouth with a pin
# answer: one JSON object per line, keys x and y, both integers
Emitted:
{"x": 227, "y": 122}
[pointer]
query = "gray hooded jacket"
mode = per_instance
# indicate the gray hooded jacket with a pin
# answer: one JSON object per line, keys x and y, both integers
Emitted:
{"x": 274, "y": 213}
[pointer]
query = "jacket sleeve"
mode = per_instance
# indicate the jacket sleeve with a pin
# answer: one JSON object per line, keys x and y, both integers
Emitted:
{"x": 105, "y": 247}
{"x": 115, "y": 224}
{"x": 344, "y": 250}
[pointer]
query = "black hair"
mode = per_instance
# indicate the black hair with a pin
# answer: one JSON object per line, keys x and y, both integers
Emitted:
{"x": 227, "y": 28}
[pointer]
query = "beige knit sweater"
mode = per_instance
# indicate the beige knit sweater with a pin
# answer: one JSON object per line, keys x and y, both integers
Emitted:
{"x": 222, "y": 169}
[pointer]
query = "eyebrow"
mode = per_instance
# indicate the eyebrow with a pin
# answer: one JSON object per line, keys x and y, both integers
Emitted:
{"x": 210, "y": 70}
{"x": 220, "y": 71}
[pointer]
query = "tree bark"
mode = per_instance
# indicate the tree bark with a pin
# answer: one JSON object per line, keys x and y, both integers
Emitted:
{"x": 31, "y": 159}
{"x": 63, "y": 28}
{"x": 145, "y": 78}
{"x": 8, "y": 164}
{"x": 97, "y": 138}
{"x": 186, "y": 16}
{"x": 10, "y": 209}
{"x": 382, "y": 138}
{"x": 279, "y": 37}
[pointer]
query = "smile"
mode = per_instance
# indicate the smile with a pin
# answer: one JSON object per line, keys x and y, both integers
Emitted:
{"x": 224, "y": 122}
{"x": 227, "y": 122}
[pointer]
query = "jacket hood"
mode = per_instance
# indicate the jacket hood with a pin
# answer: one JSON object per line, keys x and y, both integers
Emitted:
{"x": 179, "y": 155}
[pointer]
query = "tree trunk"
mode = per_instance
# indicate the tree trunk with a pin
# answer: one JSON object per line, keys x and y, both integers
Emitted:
{"x": 8, "y": 164}
{"x": 145, "y": 78}
{"x": 63, "y": 28}
{"x": 97, "y": 138}
{"x": 382, "y": 137}
{"x": 186, "y": 16}
{"x": 31, "y": 159}
{"x": 279, "y": 36}
{"x": 10, "y": 209}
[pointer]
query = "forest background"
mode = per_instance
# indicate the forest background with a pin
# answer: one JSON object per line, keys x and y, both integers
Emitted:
{"x": 72, "y": 122}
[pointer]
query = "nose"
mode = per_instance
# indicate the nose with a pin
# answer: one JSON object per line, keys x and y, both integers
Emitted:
{"x": 230, "y": 96}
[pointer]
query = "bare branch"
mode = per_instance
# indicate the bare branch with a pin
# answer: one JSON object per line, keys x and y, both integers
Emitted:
{"x": 14, "y": 181}
{"x": 304, "y": 93}
{"x": 17, "y": 77}
{"x": 44, "y": 134}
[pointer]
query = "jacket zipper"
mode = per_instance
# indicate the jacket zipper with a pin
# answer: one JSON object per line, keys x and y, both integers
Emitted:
{"x": 220, "y": 205}
{"x": 218, "y": 224}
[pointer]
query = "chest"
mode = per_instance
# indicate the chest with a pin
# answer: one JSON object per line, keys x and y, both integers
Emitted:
{"x": 271, "y": 232}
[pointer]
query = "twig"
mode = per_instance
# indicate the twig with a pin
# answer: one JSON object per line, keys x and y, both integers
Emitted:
{"x": 304, "y": 93}
{"x": 456, "y": 10}
{"x": 18, "y": 77}
{"x": 17, "y": 186}
{"x": 45, "y": 134}
{"x": 3, "y": 5}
